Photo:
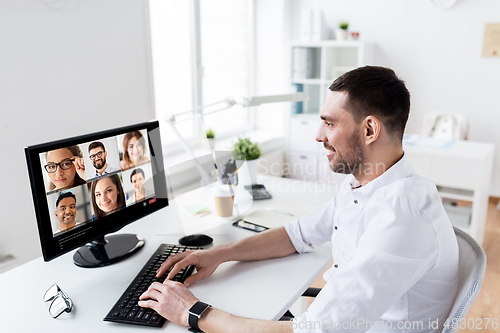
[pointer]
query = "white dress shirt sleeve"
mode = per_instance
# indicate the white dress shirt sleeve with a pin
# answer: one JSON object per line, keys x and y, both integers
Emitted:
{"x": 314, "y": 228}
{"x": 398, "y": 246}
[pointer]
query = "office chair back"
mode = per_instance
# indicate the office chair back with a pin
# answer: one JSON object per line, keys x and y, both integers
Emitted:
{"x": 447, "y": 126}
{"x": 472, "y": 264}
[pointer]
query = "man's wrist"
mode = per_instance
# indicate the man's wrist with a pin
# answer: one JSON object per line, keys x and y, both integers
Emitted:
{"x": 196, "y": 312}
{"x": 224, "y": 252}
{"x": 202, "y": 322}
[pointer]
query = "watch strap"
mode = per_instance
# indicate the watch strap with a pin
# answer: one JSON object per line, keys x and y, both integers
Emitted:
{"x": 195, "y": 313}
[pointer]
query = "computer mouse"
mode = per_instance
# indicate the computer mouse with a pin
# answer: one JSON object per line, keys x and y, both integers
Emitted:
{"x": 196, "y": 240}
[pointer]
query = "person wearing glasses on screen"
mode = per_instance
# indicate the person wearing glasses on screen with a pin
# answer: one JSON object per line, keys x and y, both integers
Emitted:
{"x": 98, "y": 155}
{"x": 66, "y": 211}
{"x": 65, "y": 168}
{"x": 134, "y": 150}
{"x": 107, "y": 196}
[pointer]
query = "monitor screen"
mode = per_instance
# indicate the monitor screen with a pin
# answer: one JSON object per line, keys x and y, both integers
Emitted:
{"x": 88, "y": 186}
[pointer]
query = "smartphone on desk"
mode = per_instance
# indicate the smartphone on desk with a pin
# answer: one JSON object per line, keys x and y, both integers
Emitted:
{"x": 249, "y": 226}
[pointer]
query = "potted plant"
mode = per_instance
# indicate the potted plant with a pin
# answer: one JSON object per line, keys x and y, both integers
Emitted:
{"x": 341, "y": 32}
{"x": 249, "y": 151}
{"x": 210, "y": 139}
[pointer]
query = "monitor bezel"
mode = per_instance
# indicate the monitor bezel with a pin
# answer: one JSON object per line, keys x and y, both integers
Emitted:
{"x": 51, "y": 247}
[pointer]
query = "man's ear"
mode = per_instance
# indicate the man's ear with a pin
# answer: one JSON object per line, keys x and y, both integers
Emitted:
{"x": 371, "y": 129}
{"x": 105, "y": 154}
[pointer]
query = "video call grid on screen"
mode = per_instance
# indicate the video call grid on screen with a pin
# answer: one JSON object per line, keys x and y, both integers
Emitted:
{"x": 89, "y": 181}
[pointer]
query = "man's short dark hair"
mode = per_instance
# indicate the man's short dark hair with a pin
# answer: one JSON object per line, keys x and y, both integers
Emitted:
{"x": 376, "y": 91}
{"x": 136, "y": 171}
{"x": 65, "y": 195}
{"x": 96, "y": 144}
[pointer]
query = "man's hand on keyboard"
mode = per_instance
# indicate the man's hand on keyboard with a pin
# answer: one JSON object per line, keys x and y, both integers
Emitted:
{"x": 171, "y": 300}
{"x": 205, "y": 261}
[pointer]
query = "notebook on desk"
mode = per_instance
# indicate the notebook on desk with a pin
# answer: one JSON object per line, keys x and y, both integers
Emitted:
{"x": 278, "y": 213}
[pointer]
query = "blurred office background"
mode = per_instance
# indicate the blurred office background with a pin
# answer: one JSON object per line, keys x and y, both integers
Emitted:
{"x": 70, "y": 67}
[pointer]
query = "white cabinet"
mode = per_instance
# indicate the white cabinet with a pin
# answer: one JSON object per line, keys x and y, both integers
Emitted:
{"x": 302, "y": 134}
{"x": 303, "y": 166}
{"x": 462, "y": 172}
{"x": 314, "y": 66}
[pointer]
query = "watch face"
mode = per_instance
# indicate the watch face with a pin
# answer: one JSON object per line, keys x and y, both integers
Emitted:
{"x": 443, "y": 4}
{"x": 198, "y": 308}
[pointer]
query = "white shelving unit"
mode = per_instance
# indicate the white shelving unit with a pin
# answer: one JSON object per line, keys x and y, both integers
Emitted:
{"x": 461, "y": 171}
{"x": 324, "y": 62}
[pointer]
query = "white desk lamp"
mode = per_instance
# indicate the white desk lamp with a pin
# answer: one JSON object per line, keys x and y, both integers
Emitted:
{"x": 229, "y": 103}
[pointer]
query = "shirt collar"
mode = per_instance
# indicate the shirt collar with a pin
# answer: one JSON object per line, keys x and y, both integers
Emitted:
{"x": 103, "y": 173}
{"x": 400, "y": 170}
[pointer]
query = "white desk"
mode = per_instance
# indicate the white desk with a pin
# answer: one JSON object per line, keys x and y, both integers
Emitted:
{"x": 464, "y": 170}
{"x": 263, "y": 289}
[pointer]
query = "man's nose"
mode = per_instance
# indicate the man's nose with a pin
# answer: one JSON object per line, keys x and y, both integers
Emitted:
{"x": 320, "y": 136}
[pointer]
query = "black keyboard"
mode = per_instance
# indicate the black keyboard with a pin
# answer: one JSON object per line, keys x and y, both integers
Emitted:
{"x": 126, "y": 310}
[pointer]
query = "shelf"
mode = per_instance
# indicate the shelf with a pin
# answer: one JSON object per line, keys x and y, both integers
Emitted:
{"x": 456, "y": 194}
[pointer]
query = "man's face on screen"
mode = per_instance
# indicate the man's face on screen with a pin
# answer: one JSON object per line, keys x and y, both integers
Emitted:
{"x": 98, "y": 157}
{"x": 66, "y": 211}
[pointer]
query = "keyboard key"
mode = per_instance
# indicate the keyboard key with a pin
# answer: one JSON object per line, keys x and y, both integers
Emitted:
{"x": 139, "y": 315}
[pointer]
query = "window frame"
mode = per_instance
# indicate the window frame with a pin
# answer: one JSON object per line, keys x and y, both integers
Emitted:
{"x": 197, "y": 85}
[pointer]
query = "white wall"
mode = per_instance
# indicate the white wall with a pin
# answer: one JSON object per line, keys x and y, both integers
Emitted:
{"x": 437, "y": 52}
{"x": 67, "y": 68}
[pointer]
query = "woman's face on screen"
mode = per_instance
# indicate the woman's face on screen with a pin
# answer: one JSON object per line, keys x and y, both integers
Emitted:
{"x": 61, "y": 178}
{"x": 138, "y": 182}
{"x": 135, "y": 149}
{"x": 106, "y": 195}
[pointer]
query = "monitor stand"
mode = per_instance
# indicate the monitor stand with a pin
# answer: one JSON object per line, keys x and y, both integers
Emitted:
{"x": 107, "y": 250}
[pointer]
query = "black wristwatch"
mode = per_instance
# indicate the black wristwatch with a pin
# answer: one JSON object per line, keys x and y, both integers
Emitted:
{"x": 195, "y": 313}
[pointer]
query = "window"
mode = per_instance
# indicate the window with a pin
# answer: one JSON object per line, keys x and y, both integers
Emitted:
{"x": 225, "y": 54}
{"x": 224, "y": 43}
{"x": 170, "y": 38}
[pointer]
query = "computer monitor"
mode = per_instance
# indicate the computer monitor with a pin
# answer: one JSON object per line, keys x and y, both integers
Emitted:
{"x": 88, "y": 186}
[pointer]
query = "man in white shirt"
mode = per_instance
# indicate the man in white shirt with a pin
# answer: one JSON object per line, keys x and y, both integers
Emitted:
{"x": 98, "y": 155}
{"x": 395, "y": 253}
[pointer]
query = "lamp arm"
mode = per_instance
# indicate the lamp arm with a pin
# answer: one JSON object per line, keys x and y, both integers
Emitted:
{"x": 170, "y": 118}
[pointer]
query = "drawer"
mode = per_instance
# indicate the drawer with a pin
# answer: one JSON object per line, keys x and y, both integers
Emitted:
{"x": 303, "y": 133}
{"x": 303, "y": 167}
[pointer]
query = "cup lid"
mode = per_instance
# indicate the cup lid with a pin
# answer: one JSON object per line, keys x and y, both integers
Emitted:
{"x": 223, "y": 190}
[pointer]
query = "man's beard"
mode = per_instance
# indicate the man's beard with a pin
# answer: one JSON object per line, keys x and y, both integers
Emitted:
{"x": 99, "y": 164}
{"x": 353, "y": 158}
